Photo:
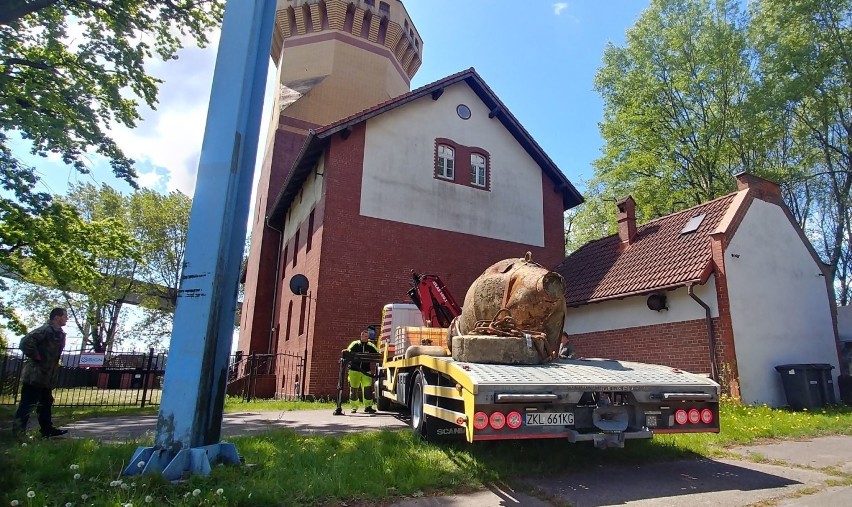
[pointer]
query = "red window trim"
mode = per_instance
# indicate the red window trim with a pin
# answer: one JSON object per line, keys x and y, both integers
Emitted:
{"x": 462, "y": 153}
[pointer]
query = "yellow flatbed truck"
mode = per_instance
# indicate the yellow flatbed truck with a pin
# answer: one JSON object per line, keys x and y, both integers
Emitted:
{"x": 603, "y": 401}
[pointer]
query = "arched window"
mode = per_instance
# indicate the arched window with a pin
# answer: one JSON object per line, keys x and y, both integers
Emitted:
{"x": 446, "y": 162}
{"x": 477, "y": 170}
{"x": 309, "y": 22}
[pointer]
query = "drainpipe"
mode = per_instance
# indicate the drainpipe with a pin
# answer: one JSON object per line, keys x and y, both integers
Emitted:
{"x": 711, "y": 341}
{"x": 275, "y": 286}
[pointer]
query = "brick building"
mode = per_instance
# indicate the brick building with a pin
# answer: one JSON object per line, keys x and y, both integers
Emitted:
{"x": 365, "y": 181}
{"x": 735, "y": 276}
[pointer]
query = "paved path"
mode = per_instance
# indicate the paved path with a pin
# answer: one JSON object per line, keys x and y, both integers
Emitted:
{"x": 320, "y": 422}
{"x": 783, "y": 474}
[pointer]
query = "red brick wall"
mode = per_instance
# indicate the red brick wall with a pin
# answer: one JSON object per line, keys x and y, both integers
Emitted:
{"x": 257, "y": 310}
{"x": 366, "y": 262}
{"x": 680, "y": 345}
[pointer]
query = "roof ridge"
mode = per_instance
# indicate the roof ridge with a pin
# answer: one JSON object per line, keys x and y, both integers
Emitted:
{"x": 703, "y": 204}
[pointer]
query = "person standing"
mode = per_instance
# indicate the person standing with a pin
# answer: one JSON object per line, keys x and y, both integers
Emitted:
{"x": 566, "y": 349}
{"x": 360, "y": 380}
{"x": 43, "y": 350}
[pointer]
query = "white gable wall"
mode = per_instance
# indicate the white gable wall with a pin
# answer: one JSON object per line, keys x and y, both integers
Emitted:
{"x": 780, "y": 309}
{"x": 634, "y": 312}
{"x": 399, "y": 159}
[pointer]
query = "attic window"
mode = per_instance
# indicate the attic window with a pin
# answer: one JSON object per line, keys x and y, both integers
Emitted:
{"x": 693, "y": 224}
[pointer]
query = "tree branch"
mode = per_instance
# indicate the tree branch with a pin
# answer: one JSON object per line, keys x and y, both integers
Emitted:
{"x": 13, "y": 10}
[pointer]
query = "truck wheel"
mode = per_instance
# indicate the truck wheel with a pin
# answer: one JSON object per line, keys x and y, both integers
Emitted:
{"x": 418, "y": 416}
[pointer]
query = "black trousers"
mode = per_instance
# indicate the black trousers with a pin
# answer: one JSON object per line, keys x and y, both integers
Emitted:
{"x": 42, "y": 399}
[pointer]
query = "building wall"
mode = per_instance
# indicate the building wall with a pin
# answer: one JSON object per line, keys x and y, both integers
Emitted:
{"x": 257, "y": 311}
{"x": 780, "y": 310}
{"x": 398, "y": 181}
{"x": 367, "y": 261}
{"x": 627, "y": 330}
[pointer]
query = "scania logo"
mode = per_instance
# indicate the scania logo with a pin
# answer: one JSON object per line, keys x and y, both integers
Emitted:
{"x": 449, "y": 431}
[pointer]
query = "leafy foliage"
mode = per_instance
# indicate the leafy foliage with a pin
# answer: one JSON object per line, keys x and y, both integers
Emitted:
{"x": 145, "y": 271}
{"x": 701, "y": 91}
{"x": 69, "y": 71}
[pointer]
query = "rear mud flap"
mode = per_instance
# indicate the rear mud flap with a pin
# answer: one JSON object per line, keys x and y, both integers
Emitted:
{"x": 439, "y": 430}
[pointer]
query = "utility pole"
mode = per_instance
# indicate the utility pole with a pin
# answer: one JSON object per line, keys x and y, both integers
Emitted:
{"x": 190, "y": 419}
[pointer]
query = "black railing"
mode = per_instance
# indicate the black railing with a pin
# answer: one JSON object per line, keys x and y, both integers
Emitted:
{"x": 265, "y": 376}
{"x": 118, "y": 379}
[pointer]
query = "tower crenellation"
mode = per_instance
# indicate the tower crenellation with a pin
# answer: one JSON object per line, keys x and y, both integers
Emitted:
{"x": 375, "y": 21}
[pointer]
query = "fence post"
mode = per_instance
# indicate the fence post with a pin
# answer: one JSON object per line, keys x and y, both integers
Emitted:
{"x": 145, "y": 375}
{"x": 247, "y": 385}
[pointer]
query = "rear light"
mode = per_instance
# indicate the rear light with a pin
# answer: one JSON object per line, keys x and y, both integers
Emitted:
{"x": 681, "y": 417}
{"x": 497, "y": 420}
{"x": 480, "y": 420}
{"x": 707, "y": 416}
{"x": 694, "y": 416}
{"x": 514, "y": 420}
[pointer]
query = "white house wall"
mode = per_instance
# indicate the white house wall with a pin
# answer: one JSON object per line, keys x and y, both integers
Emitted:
{"x": 633, "y": 311}
{"x": 399, "y": 159}
{"x": 779, "y": 303}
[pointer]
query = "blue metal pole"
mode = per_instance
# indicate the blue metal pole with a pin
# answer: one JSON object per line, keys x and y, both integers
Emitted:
{"x": 190, "y": 419}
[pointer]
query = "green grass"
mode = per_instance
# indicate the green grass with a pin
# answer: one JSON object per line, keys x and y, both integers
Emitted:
{"x": 363, "y": 469}
{"x": 66, "y": 415}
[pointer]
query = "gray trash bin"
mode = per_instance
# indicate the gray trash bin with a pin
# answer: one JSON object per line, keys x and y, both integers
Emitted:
{"x": 807, "y": 385}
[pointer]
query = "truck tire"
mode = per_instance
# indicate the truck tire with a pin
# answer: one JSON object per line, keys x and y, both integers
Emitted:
{"x": 418, "y": 416}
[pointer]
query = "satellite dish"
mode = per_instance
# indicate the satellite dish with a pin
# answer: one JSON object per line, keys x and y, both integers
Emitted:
{"x": 299, "y": 285}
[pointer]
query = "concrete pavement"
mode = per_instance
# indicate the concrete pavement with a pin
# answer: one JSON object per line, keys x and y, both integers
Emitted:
{"x": 790, "y": 473}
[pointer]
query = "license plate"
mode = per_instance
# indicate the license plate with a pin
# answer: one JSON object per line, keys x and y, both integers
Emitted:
{"x": 549, "y": 419}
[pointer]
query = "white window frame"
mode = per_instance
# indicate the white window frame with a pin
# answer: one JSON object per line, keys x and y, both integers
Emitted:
{"x": 446, "y": 162}
{"x": 478, "y": 170}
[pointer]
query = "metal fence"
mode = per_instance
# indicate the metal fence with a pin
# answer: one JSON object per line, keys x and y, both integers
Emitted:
{"x": 118, "y": 379}
{"x": 266, "y": 376}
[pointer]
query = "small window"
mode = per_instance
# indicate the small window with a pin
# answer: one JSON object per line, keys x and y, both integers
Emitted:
{"x": 370, "y": 2}
{"x": 477, "y": 170}
{"x": 310, "y": 231}
{"x": 296, "y": 249}
{"x": 446, "y": 158}
{"x": 384, "y": 7}
{"x": 693, "y": 224}
{"x": 463, "y": 111}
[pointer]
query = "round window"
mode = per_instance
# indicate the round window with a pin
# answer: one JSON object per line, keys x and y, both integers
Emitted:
{"x": 463, "y": 111}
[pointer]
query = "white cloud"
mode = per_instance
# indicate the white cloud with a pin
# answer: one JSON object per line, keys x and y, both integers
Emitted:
{"x": 559, "y": 7}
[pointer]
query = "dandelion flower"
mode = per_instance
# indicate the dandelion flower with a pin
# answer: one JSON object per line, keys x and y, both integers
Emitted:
{"x": 77, "y": 477}
{"x": 149, "y": 499}
{"x": 140, "y": 464}
{"x": 69, "y": 504}
{"x": 14, "y": 503}
{"x": 30, "y": 494}
{"x": 196, "y": 492}
{"x": 125, "y": 486}
{"x": 220, "y": 491}
{"x": 84, "y": 497}
{"x": 24, "y": 444}
{"x": 74, "y": 467}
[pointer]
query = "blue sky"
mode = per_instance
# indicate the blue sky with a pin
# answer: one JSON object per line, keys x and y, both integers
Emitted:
{"x": 540, "y": 57}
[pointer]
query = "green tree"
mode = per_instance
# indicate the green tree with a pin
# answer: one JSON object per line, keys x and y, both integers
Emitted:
{"x": 69, "y": 71}
{"x": 806, "y": 68}
{"x": 146, "y": 273}
{"x": 675, "y": 120}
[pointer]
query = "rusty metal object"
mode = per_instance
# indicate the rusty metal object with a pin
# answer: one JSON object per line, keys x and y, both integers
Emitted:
{"x": 517, "y": 297}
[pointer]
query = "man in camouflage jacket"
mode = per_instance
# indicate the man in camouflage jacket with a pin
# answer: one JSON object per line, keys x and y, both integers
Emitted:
{"x": 43, "y": 350}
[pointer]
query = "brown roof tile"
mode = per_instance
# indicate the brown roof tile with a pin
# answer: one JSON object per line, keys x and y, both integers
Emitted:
{"x": 660, "y": 257}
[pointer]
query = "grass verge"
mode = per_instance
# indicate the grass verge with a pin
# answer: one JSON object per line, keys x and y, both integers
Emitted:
{"x": 361, "y": 469}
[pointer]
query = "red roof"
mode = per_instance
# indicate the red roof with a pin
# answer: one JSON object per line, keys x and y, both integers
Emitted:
{"x": 661, "y": 256}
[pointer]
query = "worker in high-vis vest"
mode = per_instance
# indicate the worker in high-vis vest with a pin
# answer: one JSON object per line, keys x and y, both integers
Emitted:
{"x": 360, "y": 380}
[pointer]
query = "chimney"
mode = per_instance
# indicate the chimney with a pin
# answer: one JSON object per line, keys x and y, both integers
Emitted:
{"x": 626, "y": 221}
{"x": 762, "y": 189}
